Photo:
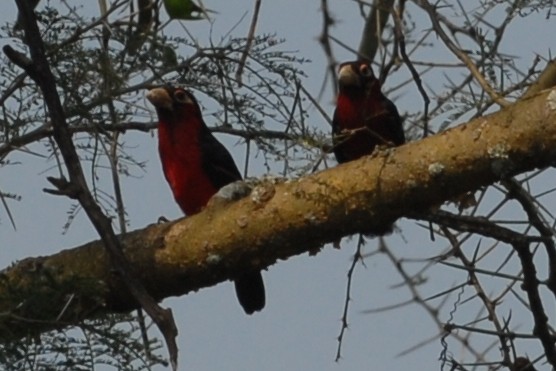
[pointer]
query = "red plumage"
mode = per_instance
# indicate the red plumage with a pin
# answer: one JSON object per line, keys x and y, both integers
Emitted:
{"x": 364, "y": 117}
{"x": 196, "y": 165}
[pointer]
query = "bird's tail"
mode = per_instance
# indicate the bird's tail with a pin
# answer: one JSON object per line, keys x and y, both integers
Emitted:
{"x": 250, "y": 291}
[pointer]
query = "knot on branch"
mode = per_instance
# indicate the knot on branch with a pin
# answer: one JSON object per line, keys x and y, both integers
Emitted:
{"x": 63, "y": 188}
{"x": 20, "y": 60}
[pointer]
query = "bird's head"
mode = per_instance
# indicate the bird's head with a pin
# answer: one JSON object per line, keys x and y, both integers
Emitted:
{"x": 173, "y": 102}
{"x": 356, "y": 76}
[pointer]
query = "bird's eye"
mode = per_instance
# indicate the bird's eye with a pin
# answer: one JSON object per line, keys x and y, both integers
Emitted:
{"x": 181, "y": 97}
{"x": 366, "y": 70}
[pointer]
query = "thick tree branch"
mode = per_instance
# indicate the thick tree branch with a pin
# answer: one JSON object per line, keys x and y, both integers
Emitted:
{"x": 546, "y": 80}
{"x": 374, "y": 26}
{"x": 281, "y": 220}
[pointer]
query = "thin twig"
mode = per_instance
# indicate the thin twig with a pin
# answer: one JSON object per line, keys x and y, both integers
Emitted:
{"x": 531, "y": 287}
{"x": 357, "y": 256}
{"x": 250, "y": 37}
{"x": 431, "y": 11}
{"x": 398, "y": 19}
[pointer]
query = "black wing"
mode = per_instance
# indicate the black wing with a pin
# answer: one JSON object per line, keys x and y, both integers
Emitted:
{"x": 337, "y": 140}
{"x": 218, "y": 164}
{"x": 395, "y": 124}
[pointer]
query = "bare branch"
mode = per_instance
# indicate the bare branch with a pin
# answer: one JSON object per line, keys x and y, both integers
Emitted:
{"x": 250, "y": 37}
{"x": 430, "y": 9}
{"x": 360, "y": 196}
{"x": 531, "y": 287}
{"x": 546, "y": 80}
{"x": 374, "y": 26}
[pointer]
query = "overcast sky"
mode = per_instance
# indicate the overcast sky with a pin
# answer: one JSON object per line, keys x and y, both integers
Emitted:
{"x": 305, "y": 295}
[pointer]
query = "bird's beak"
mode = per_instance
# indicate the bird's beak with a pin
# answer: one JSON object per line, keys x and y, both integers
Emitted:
{"x": 347, "y": 76}
{"x": 160, "y": 98}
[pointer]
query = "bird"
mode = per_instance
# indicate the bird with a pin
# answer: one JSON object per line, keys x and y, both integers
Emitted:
{"x": 364, "y": 118}
{"x": 196, "y": 166}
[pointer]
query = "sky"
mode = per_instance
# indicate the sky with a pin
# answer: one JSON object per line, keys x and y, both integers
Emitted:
{"x": 299, "y": 326}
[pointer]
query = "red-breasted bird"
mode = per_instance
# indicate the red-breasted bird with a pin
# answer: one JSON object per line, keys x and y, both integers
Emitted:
{"x": 364, "y": 117}
{"x": 196, "y": 165}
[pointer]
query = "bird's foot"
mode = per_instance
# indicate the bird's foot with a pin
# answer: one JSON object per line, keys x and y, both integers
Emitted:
{"x": 162, "y": 219}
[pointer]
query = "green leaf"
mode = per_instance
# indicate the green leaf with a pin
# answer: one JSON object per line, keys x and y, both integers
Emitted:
{"x": 185, "y": 9}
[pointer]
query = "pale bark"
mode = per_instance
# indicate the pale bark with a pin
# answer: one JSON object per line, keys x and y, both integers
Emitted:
{"x": 282, "y": 220}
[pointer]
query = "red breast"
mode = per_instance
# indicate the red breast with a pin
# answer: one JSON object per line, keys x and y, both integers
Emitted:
{"x": 180, "y": 154}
